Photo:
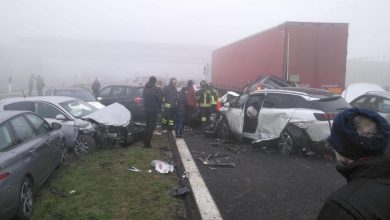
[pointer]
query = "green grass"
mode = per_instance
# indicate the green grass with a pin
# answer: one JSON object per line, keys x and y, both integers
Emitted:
{"x": 111, "y": 191}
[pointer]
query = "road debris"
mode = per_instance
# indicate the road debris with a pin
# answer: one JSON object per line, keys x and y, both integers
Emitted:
{"x": 56, "y": 192}
{"x": 72, "y": 192}
{"x": 134, "y": 169}
{"x": 180, "y": 191}
{"x": 162, "y": 166}
{"x": 213, "y": 161}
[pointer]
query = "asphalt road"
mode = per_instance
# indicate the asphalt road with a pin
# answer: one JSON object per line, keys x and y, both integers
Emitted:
{"x": 264, "y": 184}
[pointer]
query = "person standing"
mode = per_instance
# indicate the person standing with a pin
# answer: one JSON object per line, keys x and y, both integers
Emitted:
{"x": 40, "y": 85}
{"x": 204, "y": 102}
{"x": 169, "y": 100}
{"x": 152, "y": 99}
{"x": 180, "y": 112}
{"x": 360, "y": 138}
{"x": 191, "y": 103}
{"x": 95, "y": 87}
{"x": 214, "y": 99}
{"x": 30, "y": 84}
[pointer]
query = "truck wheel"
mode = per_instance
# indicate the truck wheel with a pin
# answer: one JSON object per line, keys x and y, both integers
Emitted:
{"x": 84, "y": 144}
{"x": 26, "y": 199}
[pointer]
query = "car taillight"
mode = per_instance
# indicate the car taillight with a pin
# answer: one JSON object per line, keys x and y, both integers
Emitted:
{"x": 138, "y": 100}
{"x": 324, "y": 116}
{"x": 4, "y": 175}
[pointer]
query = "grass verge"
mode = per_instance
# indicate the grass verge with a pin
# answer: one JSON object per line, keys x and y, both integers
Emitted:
{"x": 105, "y": 189}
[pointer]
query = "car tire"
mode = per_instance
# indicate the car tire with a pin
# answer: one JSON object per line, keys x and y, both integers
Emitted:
{"x": 84, "y": 144}
{"x": 26, "y": 200}
{"x": 223, "y": 130}
{"x": 296, "y": 140}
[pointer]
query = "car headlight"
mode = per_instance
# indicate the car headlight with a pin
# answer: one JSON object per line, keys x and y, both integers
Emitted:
{"x": 83, "y": 125}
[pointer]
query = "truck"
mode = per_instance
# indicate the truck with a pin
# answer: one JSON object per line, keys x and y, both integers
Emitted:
{"x": 306, "y": 54}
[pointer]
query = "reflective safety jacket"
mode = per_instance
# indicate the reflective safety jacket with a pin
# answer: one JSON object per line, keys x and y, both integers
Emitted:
{"x": 204, "y": 97}
{"x": 170, "y": 95}
{"x": 214, "y": 96}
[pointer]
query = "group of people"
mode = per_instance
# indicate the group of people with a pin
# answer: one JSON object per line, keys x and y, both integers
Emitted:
{"x": 177, "y": 108}
{"x": 39, "y": 84}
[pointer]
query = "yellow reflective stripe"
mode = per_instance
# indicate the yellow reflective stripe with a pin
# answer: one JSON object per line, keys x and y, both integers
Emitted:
{"x": 204, "y": 119}
{"x": 167, "y": 105}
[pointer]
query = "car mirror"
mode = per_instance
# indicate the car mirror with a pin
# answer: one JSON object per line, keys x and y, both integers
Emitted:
{"x": 99, "y": 98}
{"x": 56, "y": 126}
{"x": 60, "y": 117}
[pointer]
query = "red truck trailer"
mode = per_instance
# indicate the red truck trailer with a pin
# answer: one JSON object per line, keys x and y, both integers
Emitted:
{"x": 306, "y": 53}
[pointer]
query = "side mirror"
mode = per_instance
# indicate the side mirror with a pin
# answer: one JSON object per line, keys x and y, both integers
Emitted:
{"x": 56, "y": 126}
{"x": 99, "y": 98}
{"x": 60, "y": 117}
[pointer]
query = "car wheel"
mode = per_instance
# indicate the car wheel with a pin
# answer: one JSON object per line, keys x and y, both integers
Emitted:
{"x": 26, "y": 200}
{"x": 223, "y": 130}
{"x": 286, "y": 145}
{"x": 84, "y": 144}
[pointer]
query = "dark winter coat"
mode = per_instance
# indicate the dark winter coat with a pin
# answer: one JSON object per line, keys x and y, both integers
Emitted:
{"x": 152, "y": 98}
{"x": 181, "y": 103}
{"x": 170, "y": 94}
{"x": 191, "y": 98}
{"x": 367, "y": 194}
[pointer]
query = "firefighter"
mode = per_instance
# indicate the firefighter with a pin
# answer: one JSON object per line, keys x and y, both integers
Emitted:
{"x": 214, "y": 99}
{"x": 204, "y": 95}
{"x": 169, "y": 99}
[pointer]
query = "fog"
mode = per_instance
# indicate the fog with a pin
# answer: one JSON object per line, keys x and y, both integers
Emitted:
{"x": 73, "y": 41}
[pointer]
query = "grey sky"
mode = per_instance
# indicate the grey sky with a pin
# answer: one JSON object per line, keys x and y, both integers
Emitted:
{"x": 199, "y": 22}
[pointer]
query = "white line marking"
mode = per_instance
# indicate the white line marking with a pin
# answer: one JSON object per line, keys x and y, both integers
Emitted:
{"x": 207, "y": 207}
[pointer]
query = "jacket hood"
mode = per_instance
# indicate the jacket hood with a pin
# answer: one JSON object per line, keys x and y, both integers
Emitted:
{"x": 150, "y": 84}
{"x": 371, "y": 168}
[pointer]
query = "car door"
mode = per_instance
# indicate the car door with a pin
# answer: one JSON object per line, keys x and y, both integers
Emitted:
{"x": 52, "y": 140}
{"x": 251, "y": 123}
{"x": 50, "y": 112}
{"x": 235, "y": 115}
{"x": 30, "y": 148}
{"x": 276, "y": 112}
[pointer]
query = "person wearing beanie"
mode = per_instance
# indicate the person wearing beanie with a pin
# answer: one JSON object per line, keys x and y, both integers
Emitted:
{"x": 152, "y": 99}
{"x": 360, "y": 138}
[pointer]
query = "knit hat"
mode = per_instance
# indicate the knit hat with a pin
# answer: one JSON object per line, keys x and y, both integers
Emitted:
{"x": 153, "y": 79}
{"x": 346, "y": 140}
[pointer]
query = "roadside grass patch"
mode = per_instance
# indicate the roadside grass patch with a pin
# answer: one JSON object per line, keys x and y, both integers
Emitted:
{"x": 103, "y": 188}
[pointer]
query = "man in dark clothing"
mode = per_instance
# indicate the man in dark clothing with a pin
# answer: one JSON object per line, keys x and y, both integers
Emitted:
{"x": 30, "y": 84}
{"x": 152, "y": 99}
{"x": 95, "y": 87}
{"x": 40, "y": 85}
{"x": 359, "y": 138}
{"x": 169, "y": 100}
{"x": 204, "y": 102}
{"x": 191, "y": 103}
{"x": 180, "y": 112}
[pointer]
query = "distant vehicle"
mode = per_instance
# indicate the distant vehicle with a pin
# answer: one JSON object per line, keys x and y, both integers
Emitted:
{"x": 83, "y": 125}
{"x": 78, "y": 93}
{"x": 376, "y": 101}
{"x": 307, "y": 53}
{"x": 357, "y": 89}
{"x": 298, "y": 118}
{"x": 128, "y": 96}
{"x": 30, "y": 150}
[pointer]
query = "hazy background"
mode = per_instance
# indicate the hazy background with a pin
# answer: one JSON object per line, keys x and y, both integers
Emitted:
{"x": 73, "y": 41}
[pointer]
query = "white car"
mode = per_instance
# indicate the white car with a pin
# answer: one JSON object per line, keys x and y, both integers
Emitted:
{"x": 298, "y": 118}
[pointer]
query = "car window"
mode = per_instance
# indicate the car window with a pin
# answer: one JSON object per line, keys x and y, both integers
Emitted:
{"x": 239, "y": 101}
{"x": 384, "y": 106}
{"x": 133, "y": 92}
{"x": 38, "y": 123}
{"x": 359, "y": 102}
{"x": 78, "y": 108}
{"x": 21, "y": 106}
{"x": 5, "y": 138}
{"x": 23, "y": 130}
{"x": 117, "y": 92}
{"x": 334, "y": 104}
{"x": 47, "y": 111}
{"x": 255, "y": 101}
{"x": 105, "y": 92}
{"x": 275, "y": 100}
{"x": 84, "y": 95}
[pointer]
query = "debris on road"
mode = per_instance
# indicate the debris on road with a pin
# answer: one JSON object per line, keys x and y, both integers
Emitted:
{"x": 72, "y": 192}
{"x": 56, "y": 192}
{"x": 213, "y": 161}
{"x": 180, "y": 191}
{"x": 162, "y": 166}
{"x": 134, "y": 169}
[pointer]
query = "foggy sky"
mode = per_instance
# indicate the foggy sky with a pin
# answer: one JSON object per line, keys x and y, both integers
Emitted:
{"x": 196, "y": 22}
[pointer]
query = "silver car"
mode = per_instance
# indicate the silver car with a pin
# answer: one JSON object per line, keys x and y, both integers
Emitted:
{"x": 30, "y": 150}
{"x": 376, "y": 101}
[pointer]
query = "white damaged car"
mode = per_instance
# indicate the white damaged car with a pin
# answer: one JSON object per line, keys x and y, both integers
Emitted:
{"x": 83, "y": 125}
{"x": 299, "y": 119}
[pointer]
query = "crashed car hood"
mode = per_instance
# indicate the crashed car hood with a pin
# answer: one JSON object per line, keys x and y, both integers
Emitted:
{"x": 114, "y": 115}
{"x": 357, "y": 89}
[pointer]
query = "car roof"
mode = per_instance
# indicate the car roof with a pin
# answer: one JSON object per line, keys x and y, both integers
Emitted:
{"x": 379, "y": 93}
{"x": 125, "y": 85}
{"x": 5, "y": 115}
{"x": 51, "y": 99}
{"x": 71, "y": 89}
{"x": 312, "y": 92}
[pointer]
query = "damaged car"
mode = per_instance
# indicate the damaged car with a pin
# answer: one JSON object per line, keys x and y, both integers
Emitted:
{"x": 298, "y": 119}
{"x": 84, "y": 126}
